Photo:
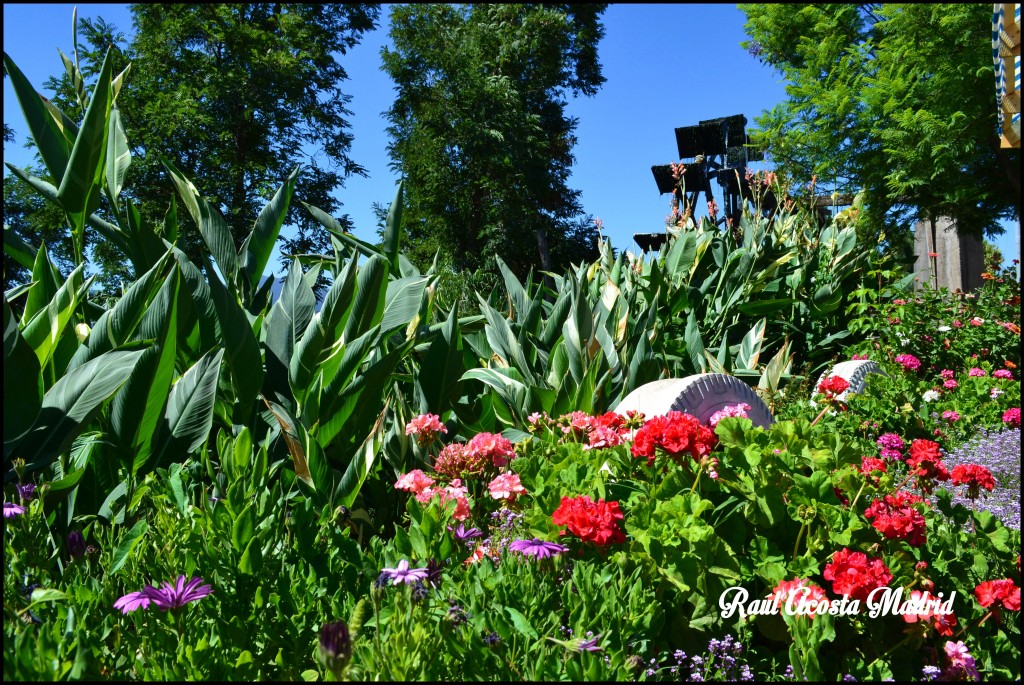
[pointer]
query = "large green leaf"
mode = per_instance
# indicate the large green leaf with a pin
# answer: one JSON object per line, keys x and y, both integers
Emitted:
{"x": 44, "y": 284}
{"x": 20, "y": 251}
{"x": 371, "y": 291}
{"x": 516, "y": 293}
{"x": 119, "y": 156}
{"x": 138, "y": 407}
{"x": 442, "y": 366}
{"x": 189, "y": 414}
{"x": 361, "y": 465}
{"x": 392, "y": 230}
{"x": 403, "y": 300}
{"x": 70, "y": 404}
{"x": 506, "y": 385}
{"x": 259, "y": 245}
{"x": 23, "y": 386}
{"x": 44, "y": 330}
{"x": 117, "y": 325}
{"x": 324, "y": 330}
{"x": 339, "y": 232}
{"x": 241, "y": 348}
{"x": 79, "y": 189}
{"x": 50, "y": 141}
{"x": 284, "y": 327}
{"x": 212, "y": 226}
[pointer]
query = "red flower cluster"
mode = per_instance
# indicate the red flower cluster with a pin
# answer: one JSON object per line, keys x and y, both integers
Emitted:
{"x": 974, "y": 477}
{"x": 1003, "y": 593}
{"x": 943, "y": 623}
{"x": 855, "y": 574}
{"x": 675, "y": 432}
{"x": 589, "y": 520}
{"x": 870, "y": 465}
{"x": 832, "y": 387}
{"x": 925, "y": 462}
{"x": 895, "y": 518}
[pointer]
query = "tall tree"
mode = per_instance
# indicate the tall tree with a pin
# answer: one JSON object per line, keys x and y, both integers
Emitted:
{"x": 896, "y": 99}
{"x": 235, "y": 96}
{"x": 480, "y": 132}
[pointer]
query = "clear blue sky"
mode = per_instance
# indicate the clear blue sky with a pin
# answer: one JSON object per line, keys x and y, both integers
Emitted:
{"x": 666, "y": 65}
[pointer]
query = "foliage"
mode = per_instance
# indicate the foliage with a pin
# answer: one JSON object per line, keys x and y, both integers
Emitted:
{"x": 874, "y": 72}
{"x": 480, "y": 133}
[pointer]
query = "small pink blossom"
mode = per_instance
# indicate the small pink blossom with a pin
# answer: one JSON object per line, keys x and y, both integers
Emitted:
{"x": 414, "y": 481}
{"x": 602, "y": 436}
{"x": 425, "y": 427}
{"x": 976, "y": 372}
{"x": 947, "y": 373}
{"x": 857, "y": 357}
{"x": 1003, "y": 373}
{"x": 957, "y": 324}
{"x": 977, "y": 321}
{"x": 1011, "y": 417}
{"x": 732, "y": 411}
{"x": 492, "y": 445}
{"x": 899, "y": 302}
{"x": 950, "y": 416}
{"x": 949, "y": 384}
{"x": 908, "y": 362}
{"x": 506, "y": 486}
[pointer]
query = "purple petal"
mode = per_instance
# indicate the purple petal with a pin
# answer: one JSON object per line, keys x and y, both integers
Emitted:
{"x": 132, "y": 601}
{"x": 12, "y": 509}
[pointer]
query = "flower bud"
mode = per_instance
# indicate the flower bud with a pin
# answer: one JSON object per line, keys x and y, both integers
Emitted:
{"x": 335, "y": 647}
{"x": 82, "y": 331}
{"x": 76, "y": 544}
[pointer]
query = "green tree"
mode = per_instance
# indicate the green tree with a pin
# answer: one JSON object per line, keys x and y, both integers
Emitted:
{"x": 235, "y": 96}
{"x": 479, "y": 130}
{"x": 896, "y": 99}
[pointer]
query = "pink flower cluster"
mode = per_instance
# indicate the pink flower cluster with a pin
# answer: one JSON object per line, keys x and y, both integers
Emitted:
{"x": 908, "y": 362}
{"x": 425, "y": 427}
{"x": 607, "y": 430}
{"x": 793, "y": 591}
{"x": 423, "y": 486}
{"x": 1011, "y": 417}
{"x": 950, "y": 416}
{"x": 506, "y": 486}
{"x": 976, "y": 372}
{"x": 732, "y": 411}
{"x": 891, "y": 446}
{"x": 1005, "y": 374}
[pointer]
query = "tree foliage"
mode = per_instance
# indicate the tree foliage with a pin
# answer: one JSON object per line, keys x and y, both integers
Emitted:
{"x": 896, "y": 99}
{"x": 479, "y": 130}
{"x": 237, "y": 96}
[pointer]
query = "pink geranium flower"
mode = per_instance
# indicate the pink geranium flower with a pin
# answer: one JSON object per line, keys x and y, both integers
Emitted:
{"x": 975, "y": 371}
{"x": 414, "y": 481}
{"x": 506, "y": 486}
{"x": 425, "y": 427}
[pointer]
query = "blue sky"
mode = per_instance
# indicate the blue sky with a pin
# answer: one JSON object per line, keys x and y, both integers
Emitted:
{"x": 666, "y": 65}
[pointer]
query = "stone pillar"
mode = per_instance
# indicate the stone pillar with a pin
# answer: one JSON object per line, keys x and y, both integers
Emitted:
{"x": 959, "y": 260}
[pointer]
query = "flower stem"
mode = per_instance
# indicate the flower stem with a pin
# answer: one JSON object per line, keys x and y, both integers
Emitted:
{"x": 799, "y": 537}
{"x": 857, "y": 496}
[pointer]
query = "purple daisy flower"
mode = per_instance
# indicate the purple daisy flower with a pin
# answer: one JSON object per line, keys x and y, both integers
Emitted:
{"x": 404, "y": 574}
{"x": 589, "y": 645}
{"x": 179, "y": 594}
{"x": 132, "y": 601}
{"x": 12, "y": 509}
{"x": 26, "y": 491}
{"x": 537, "y": 548}
{"x": 462, "y": 533}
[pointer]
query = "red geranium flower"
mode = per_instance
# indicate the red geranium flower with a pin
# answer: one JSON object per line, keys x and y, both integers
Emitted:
{"x": 974, "y": 477}
{"x": 1003, "y": 593}
{"x": 832, "y": 387}
{"x": 675, "y": 433}
{"x": 855, "y": 574}
{"x": 925, "y": 462}
{"x": 895, "y": 518}
{"x": 589, "y": 520}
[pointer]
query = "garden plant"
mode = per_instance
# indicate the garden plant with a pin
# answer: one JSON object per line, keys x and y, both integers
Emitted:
{"x": 204, "y": 482}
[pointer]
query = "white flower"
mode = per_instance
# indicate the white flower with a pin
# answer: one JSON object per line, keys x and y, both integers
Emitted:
{"x": 943, "y": 329}
{"x": 930, "y": 395}
{"x": 994, "y": 393}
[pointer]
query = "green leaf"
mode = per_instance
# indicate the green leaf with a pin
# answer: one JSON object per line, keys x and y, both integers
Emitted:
{"x": 189, "y": 414}
{"x": 212, "y": 226}
{"x": 252, "y": 558}
{"x": 442, "y": 366}
{"x": 243, "y": 528}
{"x": 40, "y": 595}
{"x": 392, "y": 230}
{"x": 50, "y": 141}
{"x": 127, "y": 544}
{"x": 259, "y": 244}
{"x": 371, "y": 292}
{"x": 23, "y": 385}
{"x": 70, "y": 405}
{"x": 18, "y": 249}
{"x": 402, "y": 303}
{"x": 521, "y": 623}
{"x": 241, "y": 348}
{"x": 79, "y": 188}
{"x": 43, "y": 332}
{"x": 119, "y": 157}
